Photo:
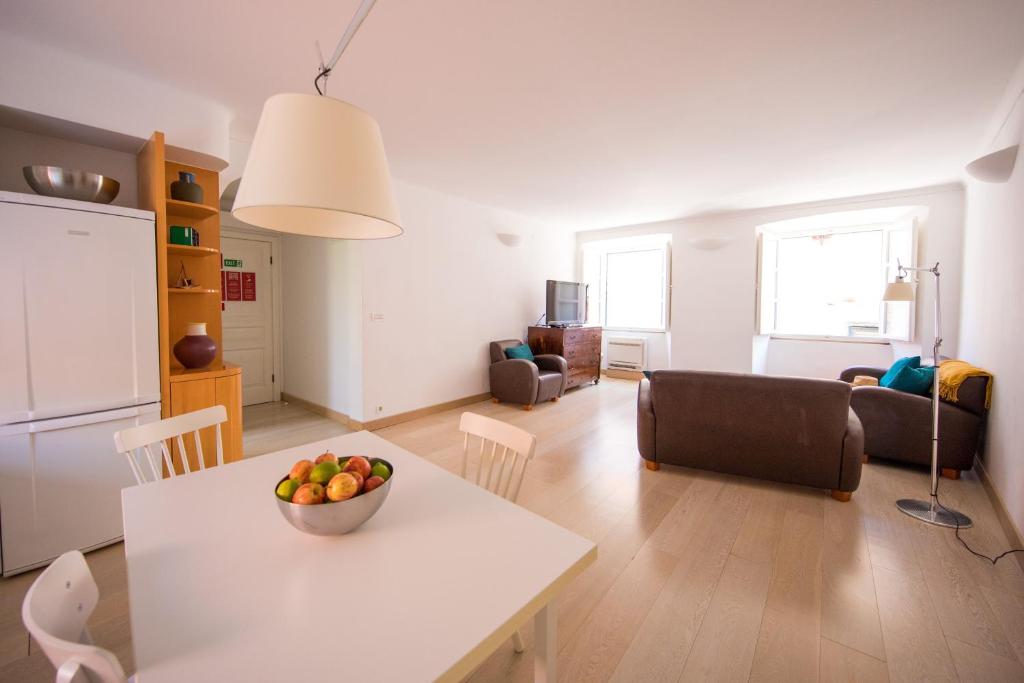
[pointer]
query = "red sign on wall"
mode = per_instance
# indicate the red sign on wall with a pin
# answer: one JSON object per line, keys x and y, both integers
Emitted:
{"x": 248, "y": 286}
{"x": 233, "y": 288}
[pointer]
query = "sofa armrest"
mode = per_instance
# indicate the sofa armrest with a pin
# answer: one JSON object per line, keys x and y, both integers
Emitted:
{"x": 848, "y": 374}
{"x": 549, "y": 361}
{"x": 853, "y": 454}
{"x": 515, "y": 381}
{"x": 645, "y": 421}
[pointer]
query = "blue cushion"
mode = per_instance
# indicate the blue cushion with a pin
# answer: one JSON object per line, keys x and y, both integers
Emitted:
{"x": 522, "y": 351}
{"x": 914, "y": 381}
{"x": 647, "y": 373}
{"x": 908, "y": 362}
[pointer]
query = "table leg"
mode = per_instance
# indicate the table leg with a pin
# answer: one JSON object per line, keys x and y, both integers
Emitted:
{"x": 545, "y": 642}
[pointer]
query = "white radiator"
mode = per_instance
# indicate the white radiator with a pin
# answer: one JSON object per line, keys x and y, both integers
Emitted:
{"x": 626, "y": 353}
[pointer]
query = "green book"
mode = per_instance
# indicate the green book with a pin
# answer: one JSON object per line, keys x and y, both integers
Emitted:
{"x": 181, "y": 234}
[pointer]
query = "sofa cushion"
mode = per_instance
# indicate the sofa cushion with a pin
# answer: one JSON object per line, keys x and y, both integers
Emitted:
{"x": 522, "y": 351}
{"x": 890, "y": 374}
{"x": 913, "y": 381}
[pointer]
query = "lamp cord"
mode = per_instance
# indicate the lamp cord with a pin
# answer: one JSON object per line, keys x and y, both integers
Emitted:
{"x": 956, "y": 521}
{"x": 324, "y": 73}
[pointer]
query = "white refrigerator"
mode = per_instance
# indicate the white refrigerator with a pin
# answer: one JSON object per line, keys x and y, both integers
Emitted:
{"x": 78, "y": 361}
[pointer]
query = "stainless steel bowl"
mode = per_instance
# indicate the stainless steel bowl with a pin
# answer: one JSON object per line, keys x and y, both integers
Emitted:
{"x": 336, "y": 518}
{"x": 67, "y": 183}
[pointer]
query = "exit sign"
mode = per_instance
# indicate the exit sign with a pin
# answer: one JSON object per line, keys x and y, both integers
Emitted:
{"x": 232, "y": 263}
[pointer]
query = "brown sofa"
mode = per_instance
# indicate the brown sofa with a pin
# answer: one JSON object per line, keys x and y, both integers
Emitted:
{"x": 788, "y": 429}
{"x": 898, "y": 425}
{"x": 521, "y": 381}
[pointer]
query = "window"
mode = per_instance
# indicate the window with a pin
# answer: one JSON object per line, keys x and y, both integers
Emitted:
{"x": 628, "y": 282}
{"x": 829, "y": 282}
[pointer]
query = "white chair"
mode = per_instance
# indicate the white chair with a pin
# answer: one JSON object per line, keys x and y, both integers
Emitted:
{"x": 55, "y": 611}
{"x": 500, "y": 473}
{"x": 145, "y": 437}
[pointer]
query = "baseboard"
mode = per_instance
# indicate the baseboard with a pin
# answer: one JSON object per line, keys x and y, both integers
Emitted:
{"x": 390, "y": 420}
{"x": 382, "y": 422}
{"x": 330, "y": 414}
{"x": 623, "y": 374}
{"x": 1009, "y": 528}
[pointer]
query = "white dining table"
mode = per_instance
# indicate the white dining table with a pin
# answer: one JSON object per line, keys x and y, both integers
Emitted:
{"x": 222, "y": 588}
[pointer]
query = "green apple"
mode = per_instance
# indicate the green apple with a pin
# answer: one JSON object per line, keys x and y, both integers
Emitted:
{"x": 381, "y": 470}
{"x": 287, "y": 488}
{"x": 323, "y": 472}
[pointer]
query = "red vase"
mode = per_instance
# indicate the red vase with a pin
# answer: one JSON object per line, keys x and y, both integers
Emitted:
{"x": 196, "y": 349}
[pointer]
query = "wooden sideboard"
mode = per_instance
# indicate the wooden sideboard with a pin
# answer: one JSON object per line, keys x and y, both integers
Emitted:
{"x": 579, "y": 346}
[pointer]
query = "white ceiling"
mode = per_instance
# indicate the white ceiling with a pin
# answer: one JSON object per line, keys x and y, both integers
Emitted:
{"x": 586, "y": 113}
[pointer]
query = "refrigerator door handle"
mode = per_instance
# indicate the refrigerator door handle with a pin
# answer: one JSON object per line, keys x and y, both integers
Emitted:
{"x": 76, "y": 420}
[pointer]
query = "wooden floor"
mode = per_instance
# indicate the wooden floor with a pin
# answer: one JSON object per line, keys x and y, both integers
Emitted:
{"x": 700, "y": 576}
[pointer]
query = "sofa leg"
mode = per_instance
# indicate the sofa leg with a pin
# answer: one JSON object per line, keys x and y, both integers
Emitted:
{"x": 554, "y": 400}
{"x": 651, "y": 465}
{"x": 950, "y": 473}
{"x": 842, "y": 496}
{"x": 528, "y": 406}
{"x": 865, "y": 459}
{"x": 495, "y": 399}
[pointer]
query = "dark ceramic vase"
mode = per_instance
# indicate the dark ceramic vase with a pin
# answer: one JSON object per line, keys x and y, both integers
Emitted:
{"x": 186, "y": 189}
{"x": 196, "y": 349}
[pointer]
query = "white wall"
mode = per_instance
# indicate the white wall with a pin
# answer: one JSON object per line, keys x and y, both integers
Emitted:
{"x": 321, "y": 292}
{"x": 992, "y": 324}
{"x": 18, "y": 149}
{"x": 46, "y": 80}
{"x": 714, "y": 269}
{"x": 446, "y": 288}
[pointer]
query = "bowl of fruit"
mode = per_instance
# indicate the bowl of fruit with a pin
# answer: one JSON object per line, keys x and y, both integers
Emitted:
{"x": 331, "y": 496}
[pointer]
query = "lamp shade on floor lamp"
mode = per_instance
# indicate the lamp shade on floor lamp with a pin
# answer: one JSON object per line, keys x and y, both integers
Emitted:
{"x": 900, "y": 290}
{"x": 317, "y": 167}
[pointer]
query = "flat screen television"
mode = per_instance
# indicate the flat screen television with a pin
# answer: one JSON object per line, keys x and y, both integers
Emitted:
{"x": 567, "y": 303}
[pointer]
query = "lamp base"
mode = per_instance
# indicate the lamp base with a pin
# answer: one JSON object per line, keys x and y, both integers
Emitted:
{"x": 922, "y": 510}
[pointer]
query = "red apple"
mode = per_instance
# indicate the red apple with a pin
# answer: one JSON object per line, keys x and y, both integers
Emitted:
{"x": 309, "y": 494}
{"x": 358, "y": 463}
{"x": 372, "y": 483}
{"x": 359, "y": 480}
{"x": 342, "y": 486}
{"x": 326, "y": 457}
{"x": 301, "y": 470}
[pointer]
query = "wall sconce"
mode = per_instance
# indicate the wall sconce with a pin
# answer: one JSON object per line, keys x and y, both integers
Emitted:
{"x": 510, "y": 239}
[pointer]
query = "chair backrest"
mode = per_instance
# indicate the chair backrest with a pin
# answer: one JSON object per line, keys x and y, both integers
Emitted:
{"x": 501, "y": 472}
{"x": 55, "y": 611}
{"x": 146, "y": 437}
{"x": 497, "y": 348}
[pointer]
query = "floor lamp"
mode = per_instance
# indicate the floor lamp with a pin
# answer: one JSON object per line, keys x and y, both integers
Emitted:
{"x": 927, "y": 510}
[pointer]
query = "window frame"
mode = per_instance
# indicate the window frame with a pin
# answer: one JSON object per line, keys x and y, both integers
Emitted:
{"x": 643, "y": 243}
{"x": 887, "y": 228}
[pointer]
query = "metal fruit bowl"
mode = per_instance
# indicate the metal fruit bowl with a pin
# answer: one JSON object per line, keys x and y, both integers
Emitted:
{"x": 67, "y": 183}
{"x": 336, "y": 518}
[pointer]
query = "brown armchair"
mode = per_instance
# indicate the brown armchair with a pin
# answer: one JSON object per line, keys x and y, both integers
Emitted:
{"x": 898, "y": 425}
{"x": 521, "y": 381}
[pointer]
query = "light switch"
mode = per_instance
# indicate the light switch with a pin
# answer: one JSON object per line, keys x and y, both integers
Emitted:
{"x": 376, "y": 316}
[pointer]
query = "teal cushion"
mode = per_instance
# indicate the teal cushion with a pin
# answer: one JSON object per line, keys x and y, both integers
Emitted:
{"x": 522, "y": 351}
{"x": 909, "y": 362}
{"x": 914, "y": 380}
{"x": 647, "y": 373}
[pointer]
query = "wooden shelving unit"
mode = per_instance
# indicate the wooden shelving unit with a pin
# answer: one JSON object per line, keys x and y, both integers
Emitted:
{"x": 220, "y": 383}
{"x": 185, "y": 250}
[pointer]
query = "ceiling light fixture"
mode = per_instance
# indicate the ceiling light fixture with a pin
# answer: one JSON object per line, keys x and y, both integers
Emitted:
{"x": 997, "y": 166}
{"x": 317, "y": 164}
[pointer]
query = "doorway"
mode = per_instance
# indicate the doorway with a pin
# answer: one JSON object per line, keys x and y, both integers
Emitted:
{"x": 250, "y": 316}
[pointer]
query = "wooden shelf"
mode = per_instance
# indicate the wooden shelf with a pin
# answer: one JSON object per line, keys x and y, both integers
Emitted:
{"x": 183, "y": 375}
{"x": 176, "y": 207}
{"x": 192, "y": 290}
{"x": 185, "y": 250}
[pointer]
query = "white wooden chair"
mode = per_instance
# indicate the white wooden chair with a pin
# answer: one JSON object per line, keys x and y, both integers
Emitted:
{"x": 502, "y": 472}
{"x": 55, "y": 611}
{"x": 145, "y": 437}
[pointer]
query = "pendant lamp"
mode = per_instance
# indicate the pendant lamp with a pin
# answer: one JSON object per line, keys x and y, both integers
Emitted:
{"x": 317, "y": 166}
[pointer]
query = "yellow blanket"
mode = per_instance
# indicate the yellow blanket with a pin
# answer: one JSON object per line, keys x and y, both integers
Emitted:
{"x": 952, "y": 374}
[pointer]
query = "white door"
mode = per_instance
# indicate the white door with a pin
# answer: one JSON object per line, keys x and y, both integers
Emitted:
{"x": 249, "y": 314}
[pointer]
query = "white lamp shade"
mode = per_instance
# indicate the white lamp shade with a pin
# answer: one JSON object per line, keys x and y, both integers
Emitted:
{"x": 899, "y": 291}
{"x": 317, "y": 167}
